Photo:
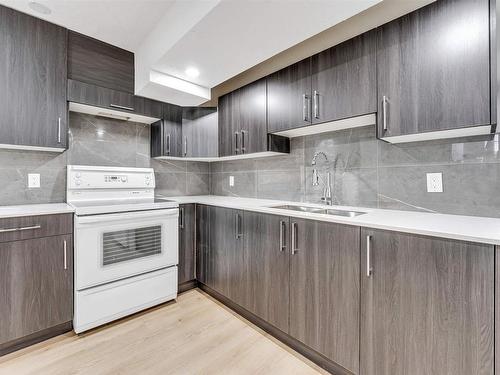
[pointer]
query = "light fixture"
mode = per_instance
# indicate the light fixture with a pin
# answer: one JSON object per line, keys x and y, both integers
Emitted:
{"x": 192, "y": 72}
{"x": 39, "y": 8}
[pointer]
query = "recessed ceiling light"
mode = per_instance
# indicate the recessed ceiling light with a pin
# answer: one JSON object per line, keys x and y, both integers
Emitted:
{"x": 40, "y": 8}
{"x": 192, "y": 72}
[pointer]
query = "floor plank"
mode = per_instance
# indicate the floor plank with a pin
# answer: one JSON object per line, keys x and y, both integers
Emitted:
{"x": 195, "y": 335}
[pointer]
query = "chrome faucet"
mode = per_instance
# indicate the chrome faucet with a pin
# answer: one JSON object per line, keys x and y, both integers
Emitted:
{"x": 327, "y": 188}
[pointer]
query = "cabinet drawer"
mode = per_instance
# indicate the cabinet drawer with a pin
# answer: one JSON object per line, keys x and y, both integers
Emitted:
{"x": 26, "y": 227}
{"x": 84, "y": 93}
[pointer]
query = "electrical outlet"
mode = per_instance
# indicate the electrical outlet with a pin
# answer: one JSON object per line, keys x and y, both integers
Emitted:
{"x": 434, "y": 182}
{"x": 33, "y": 180}
{"x": 231, "y": 181}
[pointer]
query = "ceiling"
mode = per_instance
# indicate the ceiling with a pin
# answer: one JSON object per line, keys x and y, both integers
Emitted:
{"x": 219, "y": 38}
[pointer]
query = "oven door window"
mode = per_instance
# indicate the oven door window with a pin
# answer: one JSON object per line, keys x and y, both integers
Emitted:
{"x": 125, "y": 245}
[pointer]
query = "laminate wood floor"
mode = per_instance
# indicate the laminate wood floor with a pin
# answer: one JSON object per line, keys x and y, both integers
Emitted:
{"x": 195, "y": 335}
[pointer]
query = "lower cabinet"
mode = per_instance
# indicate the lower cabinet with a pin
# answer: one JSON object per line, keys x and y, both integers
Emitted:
{"x": 36, "y": 287}
{"x": 427, "y": 305}
{"x": 324, "y": 289}
{"x": 186, "y": 267}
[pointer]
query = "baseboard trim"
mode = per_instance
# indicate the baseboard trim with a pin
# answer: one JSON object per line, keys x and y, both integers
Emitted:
{"x": 187, "y": 285}
{"x": 34, "y": 338}
{"x": 296, "y": 345}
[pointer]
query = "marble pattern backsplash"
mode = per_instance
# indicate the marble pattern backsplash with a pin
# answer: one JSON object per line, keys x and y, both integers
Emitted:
{"x": 95, "y": 141}
{"x": 371, "y": 173}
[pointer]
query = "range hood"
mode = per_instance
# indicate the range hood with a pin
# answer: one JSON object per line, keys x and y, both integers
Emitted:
{"x": 111, "y": 113}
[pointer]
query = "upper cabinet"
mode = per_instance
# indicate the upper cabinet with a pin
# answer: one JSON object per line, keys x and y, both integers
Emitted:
{"x": 199, "y": 132}
{"x": 98, "y": 63}
{"x": 434, "y": 72}
{"x": 166, "y": 134}
{"x": 33, "y": 108}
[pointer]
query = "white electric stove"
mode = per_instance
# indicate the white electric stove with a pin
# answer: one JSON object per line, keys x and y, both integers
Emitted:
{"x": 125, "y": 243}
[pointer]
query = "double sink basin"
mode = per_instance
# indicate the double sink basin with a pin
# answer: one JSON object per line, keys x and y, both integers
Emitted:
{"x": 318, "y": 210}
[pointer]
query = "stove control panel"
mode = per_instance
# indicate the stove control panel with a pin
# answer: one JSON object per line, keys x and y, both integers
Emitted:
{"x": 80, "y": 177}
{"x": 115, "y": 178}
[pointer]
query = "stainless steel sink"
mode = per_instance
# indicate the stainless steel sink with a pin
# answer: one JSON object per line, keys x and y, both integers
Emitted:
{"x": 317, "y": 210}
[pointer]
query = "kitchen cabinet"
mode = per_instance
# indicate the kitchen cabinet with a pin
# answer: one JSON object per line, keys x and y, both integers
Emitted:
{"x": 85, "y": 93}
{"x": 97, "y": 63}
{"x": 427, "y": 305}
{"x": 199, "y": 132}
{"x": 325, "y": 290}
{"x": 227, "y": 112}
{"x": 36, "y": 288}
{"x": 202, "y": 243}
{"x": 266, "y": 247}
{"x": 434, "y": 70}
{"x": 33, "y": 108}
{"x": 289, "y": 97}
{"x": 186, "y": 267}
{"x": 166, "y": 135}
{"x": 344, "y": 80}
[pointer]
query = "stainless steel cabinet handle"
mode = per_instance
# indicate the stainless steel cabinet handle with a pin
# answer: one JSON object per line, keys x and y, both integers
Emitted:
{"x": 6, "y": 230}
{"x": 168, "y": 145}
{"x": 59, "y": 130}
{"x": 384, "y": 112}
{"x": 181, "y": 217}
{"x": 243, "y": 148}
{"x": 185, "y": 146}
{"x": 236, "y": 148}
{"x": 305, "y": 107}
{"x": 237, "y": 226}
{"x": 316, "y": 104}
{"x": 294, "y": 238}
{"x": 369, "y": 269}
{"x": 121, "y": 107}
{"x": 282, "y": 236}
{"x": 65, "y": 255}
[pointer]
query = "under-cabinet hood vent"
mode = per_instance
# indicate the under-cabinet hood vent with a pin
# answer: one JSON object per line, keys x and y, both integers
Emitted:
{"x": 111, "y": 113}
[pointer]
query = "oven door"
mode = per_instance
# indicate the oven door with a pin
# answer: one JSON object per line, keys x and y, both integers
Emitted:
{"x": 111, "y": 247}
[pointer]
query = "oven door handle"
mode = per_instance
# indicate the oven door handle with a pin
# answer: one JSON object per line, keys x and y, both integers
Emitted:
{"x": 124, "y": 216}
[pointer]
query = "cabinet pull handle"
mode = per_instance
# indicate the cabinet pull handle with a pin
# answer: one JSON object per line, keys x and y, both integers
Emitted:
{"x": 237, "y": 226}
{"x": 294, "y": 238}
{"x": 243, "y": 148}
{"x": 65, "y": 246}
{"x": 384, "y": 112}
{"x": 185, "y": 146}
{"x": 236, "y": 148}
{"x": 7, "y": 230}
{"x": 59, "y": 130}
{"x": 316, "y": 104}
{"x": 369, "y": 269}
{"x": 282, "y": 235}
{"x": 168, "y": 144}
{"x": 121, "y": 107}
{"x": 181, "y": 214}
{"x": 305, "y": 99}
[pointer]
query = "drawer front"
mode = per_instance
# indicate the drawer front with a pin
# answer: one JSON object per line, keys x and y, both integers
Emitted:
{"x": 26, "y": 227}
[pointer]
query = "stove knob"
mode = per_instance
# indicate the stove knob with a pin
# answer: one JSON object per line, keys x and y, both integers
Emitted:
{"x": 78, "y": 182}
{"x": 78, "y": 175}
{"x": 147, "y": 182}
{"x": 124, "y": 179}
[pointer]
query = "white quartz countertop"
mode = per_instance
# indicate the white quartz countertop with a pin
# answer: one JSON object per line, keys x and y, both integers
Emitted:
{"x": 466, "y": 228}
{"x": 35, "y": 209}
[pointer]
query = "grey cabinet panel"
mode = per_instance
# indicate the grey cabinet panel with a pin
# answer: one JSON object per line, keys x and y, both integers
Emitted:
{"x": 148, "y": 107}
{"x": 428, "y": 306}
{"x": 325, "y": 290}
{"x": 252, "y": 121}
{"x": 186, "y": 267}
{"x": 267, "y": 267}
{"x": 202, "y": 243}
{"x": 172, "y": 130}
{"x": 84, "y": 93}
{"x": 344, "y": 80}
{"x": 434, "y": 70}
{"x": 33, "y": 108}
{"x": 35, "y": 288}
{"x": 199, "y": 132}
{"x": 35, "y": 226}
{"x": 228, "y": 112}
{"x": 95, "y": 62}
{"x": 289, "y": 97}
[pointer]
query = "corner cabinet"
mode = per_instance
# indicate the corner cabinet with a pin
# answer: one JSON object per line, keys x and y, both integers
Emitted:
{"x": 434, "y": 72}
{"x": 33, "y": 107}
{"x": 427, "y": 305}
{"x": 166, "y": 134}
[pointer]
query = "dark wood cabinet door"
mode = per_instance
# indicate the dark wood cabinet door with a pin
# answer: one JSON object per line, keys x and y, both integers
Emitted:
{"x": 266, "y": 249}
{"x": 172, "y": 130}
{"x": 148, "y": 107}
{"x": 289, "y": 97}
{"x": 36, "y": 285}
{"x": 95, "y": 62}
{"x": 253, "y": 117}
{"x": 228, "y": 108}
{"x": 434, "y": 69}
{"x": 325, "y": 290}
{"x": 199, "y": 132}
{"x": 186, "y": 243}
{"x": 202, "y": 243}
{"x": 84, "y": 93}
{"x": 427, "y": 307}
{"x": 344, "y": 80}
{"x": 33, "y": 107}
